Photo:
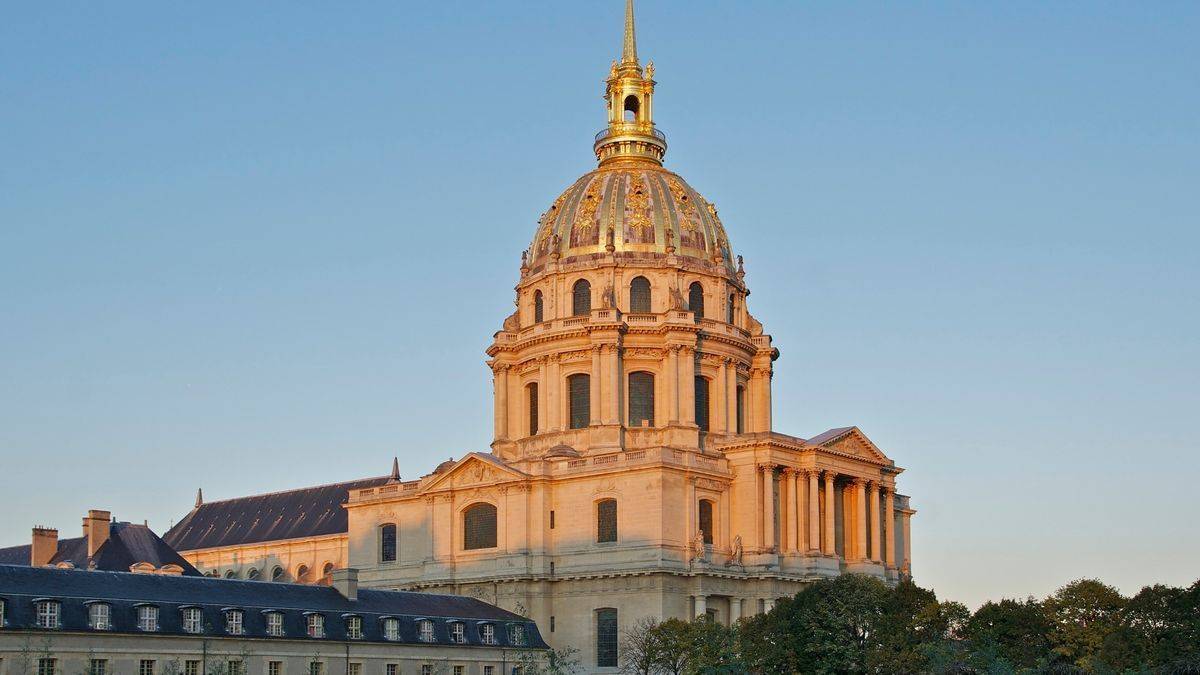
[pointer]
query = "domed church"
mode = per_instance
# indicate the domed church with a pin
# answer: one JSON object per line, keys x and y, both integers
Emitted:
{"x": 635, "y": 471}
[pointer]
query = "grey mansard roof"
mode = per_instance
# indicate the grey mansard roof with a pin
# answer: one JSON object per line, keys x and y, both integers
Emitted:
{"x": 21, "y": 587}
{"x": 127, "y": 544}
{"x": 292, "y": 514}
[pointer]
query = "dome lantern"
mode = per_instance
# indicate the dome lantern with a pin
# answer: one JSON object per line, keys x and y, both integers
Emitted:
{"x": 629, "y": 94}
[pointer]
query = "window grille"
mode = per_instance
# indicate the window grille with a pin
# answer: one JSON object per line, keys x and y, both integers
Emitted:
{"x": 192, "y": 667}
{"x": 487, "y": 633}
{"x": 458, "y": 633}
{"x": 580, "y": 393}
{"x": 354, "y": 627}
{"x": 316, "y": 668}
{"x": 425, "y": 630}
{"x": 516, "y": 635}
{"x": 606, "y": 638}
{"x": 147, "y": 618}
{"x": 98, "y": 667}
{"x": 236, "y": 667}
{"x": 479, "y": 527}
{"x": 606, "y": 521}
{"x": 392, "y": 669}
{"x": 353, "y": 669}
{"x": 641, "y": 399}
{"x": 274, "y": 667}
{"x": 48, "y": 614}
{"x": 706, "y": 520}
{"x": 702, "y": 403}
{"x": 391, "y": 629}
{"x": 460, "y": 670}
{"x": 581, "y": 298}
{"x": 233, "y": 622}
{"x": 696, "y": 299}
{"x": 426, "y": 669}
{"x": 146, "y": 667}
{"x": 47, "y": 666}
{"x": 274, "y": 624}
{"x": 316, "y": 626}
{"x": 532, "y": 390}
{"x": 192, "y": 620}
{"x": 639, "y": 296}
{"x": 387, "y": 543}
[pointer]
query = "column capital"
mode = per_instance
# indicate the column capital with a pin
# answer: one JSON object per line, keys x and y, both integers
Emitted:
{"x": 767, "y": 467}
{"x": 830, "y": 475}
{"x": 789, "y": 470}
{"x": 809, "y": 473}
{"x": 858, "y": 482}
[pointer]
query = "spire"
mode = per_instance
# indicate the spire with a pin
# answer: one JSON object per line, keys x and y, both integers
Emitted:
{"x": 395, "y": 470}
{"x": 199, "y": 497}
{"x": 629, "y": 54}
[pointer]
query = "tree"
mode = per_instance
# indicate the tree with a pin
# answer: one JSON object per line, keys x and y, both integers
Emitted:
{"x": 1016, "y": 632}
{"x": 1084, "y": 614}
{"x": 640, "y": 647}
{"x": 563, "y": 661}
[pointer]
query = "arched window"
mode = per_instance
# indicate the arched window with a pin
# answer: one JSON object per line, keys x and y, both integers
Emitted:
{"x": 327, "y": 572}
{"x": 741, "y": 409}
{"x": 730, "y": 308}
{"x": 702, "y": 403}
{"x": 606, "y": 521}
{"x": 631, "y": 108}
{"x": 387, "y": 543}
{"x": 537, "y": 306}
{"x": 706, "y": 520}
{"x": 581, "y": 298}
{"x": 579, "y": 389}
{"x": 639, "y": 296}
{"x": 696, "y": 299}
{"x": 479, "y": 527}
{"x": 641, "y": 399}
{"x": 277, "y": 574}
{"x": 531, "y": 395}
{"x": 252, "y": 575}
{"x": 231, "y": 574}
{"x": 606, "y": 637}
{"x": 302, "y": 574}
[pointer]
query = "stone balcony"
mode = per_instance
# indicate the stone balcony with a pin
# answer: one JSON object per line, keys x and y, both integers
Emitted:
{"x": 610, "y": 318}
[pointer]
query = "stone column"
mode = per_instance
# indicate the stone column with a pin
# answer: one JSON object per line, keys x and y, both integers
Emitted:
{"x": 905, "y": 524}
{"x": 594, "y": 383}
{"x": 793, "y": 510}
{"x": 701, "y": 606}
{"x": 768, "y": 605}
{"x": 860, "y": 519}
{"x": 672, "y": 382}
{"x": 876, "y": 553}
{"x": 768, "y": 474}
{"x": 500, "y": 398}
{"x": 555, "y": 405}
{"x": 544, "y": 416}
{"x": 687, "y": 385}
{"x": 616, "y": 411}
{"x": 889, "y": 526}
{"x": 720, "y": 407}
{"x": 730, "y": 395}
{"x": 828, "y": 547}
{"x": 735, "y": 610}
{"x": 814, "y": 510}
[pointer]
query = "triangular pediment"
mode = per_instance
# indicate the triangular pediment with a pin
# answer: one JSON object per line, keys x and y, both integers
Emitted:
{"x": 850, "y": 441}
{"x": 473, "y": 470}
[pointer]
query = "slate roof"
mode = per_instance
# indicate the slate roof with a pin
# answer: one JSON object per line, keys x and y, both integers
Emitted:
{"x": 127, "y": 544}
{"x": 20, "y": 587}
{"x": 292, "y": 514}
{"x": 826, "y": 436}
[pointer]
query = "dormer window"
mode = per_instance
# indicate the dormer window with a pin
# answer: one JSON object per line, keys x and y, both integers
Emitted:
{"x": 516, "y": 635}
{"x": 274, "y": 624}
{"x": 487, "y": 633}
{"x": 49, "y": 614}
{"x": 100, "y": 616}
{"x": 391, "y": 629}
{"x": 193, "y": 620}
{"x": 425, "y": 630}
{"x": 2, "y": 608}
{"x": 147, "y": 618}
{"x": 234, "y": 622}
{"x": 316, "y": 625}
{"x": 354, "y": 627}
{"x": 458, "y": 632}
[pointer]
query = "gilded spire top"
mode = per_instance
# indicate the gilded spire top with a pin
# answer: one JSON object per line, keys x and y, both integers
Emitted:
{"x": 629, "y": 54}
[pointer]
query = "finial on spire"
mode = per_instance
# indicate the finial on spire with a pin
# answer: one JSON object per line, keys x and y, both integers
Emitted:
{"x": 395, "y": 470}
{"x": 199, "y": 497}
{"x": 629, "y": 54}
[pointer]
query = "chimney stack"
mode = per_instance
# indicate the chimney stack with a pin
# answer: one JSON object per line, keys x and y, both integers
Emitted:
{"x": 45, "y": 546}
{"x": 96, "y": 526}
{"x": 346, "y": 583}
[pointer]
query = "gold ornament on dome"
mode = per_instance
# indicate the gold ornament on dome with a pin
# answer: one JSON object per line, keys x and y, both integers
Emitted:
{"x": 584, "y": 232}
{"x": 637, "y": 210}
{"x": 690, "y": 233}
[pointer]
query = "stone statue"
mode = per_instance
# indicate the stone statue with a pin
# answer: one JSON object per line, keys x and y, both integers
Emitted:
{"x": 698, "y": 549}
{"x": 612, "y": 71}
{"x": 650, "y": 70}
{"x": 525, "y": 259}
{"x": 670, "y": 239}
{"x": 735, "y": 552}
{"x": 611, "y": 240}
{"x": 608, "y": 297}
{"x": 741, "y": 267}
{"x": 676, "y": 297}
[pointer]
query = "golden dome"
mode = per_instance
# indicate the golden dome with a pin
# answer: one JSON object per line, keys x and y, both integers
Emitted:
{"x": 639, "y": 210}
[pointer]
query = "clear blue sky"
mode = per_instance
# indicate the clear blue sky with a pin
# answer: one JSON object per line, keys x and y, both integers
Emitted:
{"x": 258, "y": 247}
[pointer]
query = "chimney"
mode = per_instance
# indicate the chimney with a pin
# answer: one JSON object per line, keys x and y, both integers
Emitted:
{"x": 45, "y": 546}
{"x": 346, "y": 582}
{"x": 95, "y": 529}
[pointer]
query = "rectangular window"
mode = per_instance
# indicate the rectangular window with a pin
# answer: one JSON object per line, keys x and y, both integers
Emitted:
{"x": 489, "y": 670}
{"x": 354, "y": 627}
{"x": 236, "y": 667}
{"x": 353, "y": 669}
{"x": 100, "y": 616}
{"x": 316, "y": 626}
{"x": 706, "y": 520}
{"x": 426, "y": 669}
{"x": 274, "y": 624}
{"x": 487, "y": 632}
{"x": 98, "y": 667}
{"x": 552, "y": 520}
{"x": 146, "y": 667}
{"x": 47, "y": 614}
{"x": 191, "y": 667}
{"x": 316, "y": 668}
{"x": 233, "y": 622}
{"x": 391, "y": 629}
{"x": 580, "y": 399}
{"x": 532, "y": 389}
{"x": 606, "y": 521}
{"x": 193, "y": 620}
{"x": 741, "y": 410}
{"x": 516, "y": 635}
{"x": 147, "y": 618}
{"x": 47, "y": 666}
{"x": 387, "y": 543}
{"x": 393, "y": 669}
{"x": 702, "y": 403}
{"x": 425, "y": 628}
{"x": 274, "y": 667}
{"x": 460, "y": 670}
{"x": 458, "y": 633}
{"x": 641, "y": 399}
{"x": 606, "y": 638}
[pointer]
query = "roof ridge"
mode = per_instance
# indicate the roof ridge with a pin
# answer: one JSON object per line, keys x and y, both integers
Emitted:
{"x": 284, "y": 492}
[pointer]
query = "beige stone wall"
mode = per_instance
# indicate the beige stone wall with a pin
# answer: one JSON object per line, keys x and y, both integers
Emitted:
{"x": 312, "y": 554}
